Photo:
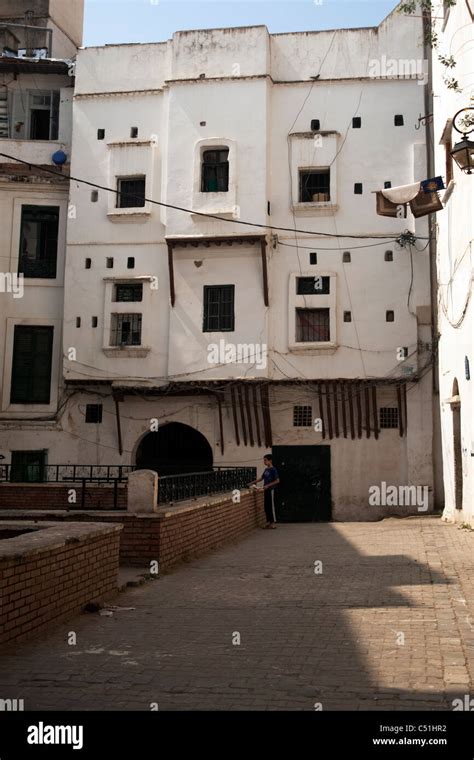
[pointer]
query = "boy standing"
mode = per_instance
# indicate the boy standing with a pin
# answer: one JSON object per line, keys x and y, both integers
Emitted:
{"x": 270, "y": 481}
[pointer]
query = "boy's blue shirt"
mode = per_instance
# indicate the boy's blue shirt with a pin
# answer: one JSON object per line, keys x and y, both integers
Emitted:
{"x": 269, "y": 475}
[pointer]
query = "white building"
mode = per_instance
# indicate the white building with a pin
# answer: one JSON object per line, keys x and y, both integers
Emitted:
{"x": 455, "y": 235}
{"x": 329, "y": 315}
{"x": 38, "y": 41}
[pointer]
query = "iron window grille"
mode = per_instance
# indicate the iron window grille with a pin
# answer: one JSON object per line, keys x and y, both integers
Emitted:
{"x": 28, "y": 466}
{"x": 219, "y": 308}
{"x": 312, "y": 326}
{"x": 126, "y": 330}
{"x": 94, "y": 413}
{"x": 215, "y": 171}
{"x": 31, "y": 365}
{"x": 129, "y": 292}
{"x": 314, "y": 186}
{"x": 302, "y": 416}
{"x": 131, "y": 192}
{"x": 39, "y": 241}
{"x": 310, "y": 286}
{"x": 388, "y": 416}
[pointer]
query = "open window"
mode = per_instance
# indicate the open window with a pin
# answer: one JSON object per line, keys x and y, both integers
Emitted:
{"x": 215, "y": 171}
{"x": 314, "y": 185}
{"x": 39, "y": 241}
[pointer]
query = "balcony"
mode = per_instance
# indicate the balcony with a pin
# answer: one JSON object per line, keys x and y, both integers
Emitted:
{"x": 34, "y": 151}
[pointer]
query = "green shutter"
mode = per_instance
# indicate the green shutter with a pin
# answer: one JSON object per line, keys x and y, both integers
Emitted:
{"x": 31, "y": 366}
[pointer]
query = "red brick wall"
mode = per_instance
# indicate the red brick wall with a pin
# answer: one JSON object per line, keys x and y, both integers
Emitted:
{"x": 173, "y": 535}
{"x": 47, "y": 585}
{"x": 53, "y": 496}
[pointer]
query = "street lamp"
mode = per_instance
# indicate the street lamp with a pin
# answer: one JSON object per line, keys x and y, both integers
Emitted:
{"x": 463, "y": 151}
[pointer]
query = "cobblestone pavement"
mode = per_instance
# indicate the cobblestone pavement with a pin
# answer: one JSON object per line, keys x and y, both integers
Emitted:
{"x": 387, "y": 624}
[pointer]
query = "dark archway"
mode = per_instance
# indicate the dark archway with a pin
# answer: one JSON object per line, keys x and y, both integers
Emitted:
{"x": 457, "y": 446}
{"x": 173, "y": 450}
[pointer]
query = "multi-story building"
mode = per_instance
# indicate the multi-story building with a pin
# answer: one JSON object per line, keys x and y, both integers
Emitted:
{"x": 455, "y": 255}
{"x": 38, "y": 42}
{"x": 230, "y": 287}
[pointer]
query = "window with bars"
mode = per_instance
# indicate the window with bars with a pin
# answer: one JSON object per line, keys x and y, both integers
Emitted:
{"x": 302, "y": 416}
{"x": 219, "y": 308}
{"x": 28, "y": 466}
{"x": 310, "y": 286}
{"x": 126, "y": 330}
{"x": 126, "y": 292}
{"x": 314, "y": 185}
{"x": 94, "y": 413}
{"x": 388, "y": 416}
{"x": 312, "y": 325}
{"x": 39, "y": 241}
{"x": 215, "y": 171}
{"x": 131, "y": 192}
{"x": 31, "y": 365}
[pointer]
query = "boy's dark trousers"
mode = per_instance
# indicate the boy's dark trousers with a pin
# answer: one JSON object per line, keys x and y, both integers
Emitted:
{"x": 269, "y": 504}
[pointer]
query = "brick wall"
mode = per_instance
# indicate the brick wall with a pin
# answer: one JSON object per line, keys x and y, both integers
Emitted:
{"x": 56, "y": 496}
{"x": 173, "y": 534}
{"x": 49, "y": 575}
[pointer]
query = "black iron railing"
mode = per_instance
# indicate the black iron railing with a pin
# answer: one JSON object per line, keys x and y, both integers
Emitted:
{"x": 173, "y": 488}
{"x": 57, "y": 473}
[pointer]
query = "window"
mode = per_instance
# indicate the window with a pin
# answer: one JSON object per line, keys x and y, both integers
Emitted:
{"x": 219, "y": 308}
{"x": 31, "y": 365}
{"x": 94, "y": 413}
{"x": 313, "y": 258}
{"x": 129, "y": 292}
{"x": 315, "y": 125}
{"x": 314, "y": 185}
{"x": 126, "y": 330}
{"x": 390, "y": 316}
{"x": 43, "y": 115}
{"x": 388, "y": 256}
{"x": 39, "y": 241}
{"x": 88, "y": 263}
{"x": 215, "y": 171}
{"x": 133, "y": 132}
{"x": 109, "y": 262}
{"x": 347, "y": 316}
{"x": 78, "y": 321}
{"x": 388, "y": 417}
{"x": 358, "y": 188}
{"x": 312, "y": 325}
{"x": 346, "y": 257}
{"x": 28, "y": 467}
{"x": 131, "y": 192}
{"x": 356, "y": 122}
{"x": 94, "y": 196}
{"x": 398, "y": 120}
{"x": 100, "y": 134}
{"x": 302, "y": 416}
{"x": 94, "y": 321}
{"x": 310, "y": 286}
{"x": 131, "y": 262}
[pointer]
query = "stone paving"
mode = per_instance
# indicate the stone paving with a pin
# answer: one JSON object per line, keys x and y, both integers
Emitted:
{"x": 387, "y": 624}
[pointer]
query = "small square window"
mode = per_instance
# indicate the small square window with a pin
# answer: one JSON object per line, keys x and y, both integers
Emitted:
{"x": 94, "y": 196}
{"x": 126, "y": 330}
{"x": 315, "y": 125}
{"x": 314, "y": 186}
{"x": 131, "y": 262}
{"x": 398, "y": 120}
{"x": 131, "y": 192}
{"x": 347, "y": 316}
{"x": 388, "y": 416}
{"x": 100, "y": 134}
{"x": 313, "y": 258}
{"x": 358, "y": 188}
{"x": 109, "y": 262}
{"x": 390, "y": 316}
{"x": 78, "y": 321}
{"x": 302, "y": 416}
{"x": 346, "y": 257}
{"x": 356, "y": 122}
{"x": 388, "y": 256}
{"x": 129, "y": 292}
{"x": 134, "y": 132}
{"x": 387, "y": 184}
{"x": 88, "y": 263}
{"x": 312, "y": 326}
{"x": 94, "y": 413}
{"x": 94, "y": 321}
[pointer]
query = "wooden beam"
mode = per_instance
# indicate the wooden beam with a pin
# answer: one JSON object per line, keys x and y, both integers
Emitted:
{"x": 367, "y": 411}
{"x": 375, "y": 411}
{"x": 242, "y": 414}
{"x": 336, "y": 410}
{"x": 255, "y": 411}
{"x": 119, "y": 426}
{"x": 221, "y": 427}
{"x": 400, "y": 411}
{"x": 404, "y": 400}
{"x": 234, "y": 415}
{"x": 263, "y": 249}
{"x": 359, "y": 410}
{"x": 249, "y": 415}
{"x": 343, "y": 402}
{"x": 321, "y": 409}
{"x": 171, "y": 273}
{"x": 266, "y": 411}
{"x": 350, "y": 390}
{"x": 328, "y": 410}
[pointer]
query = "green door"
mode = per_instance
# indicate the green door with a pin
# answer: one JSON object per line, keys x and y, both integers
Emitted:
{"x": 304, "y": 492}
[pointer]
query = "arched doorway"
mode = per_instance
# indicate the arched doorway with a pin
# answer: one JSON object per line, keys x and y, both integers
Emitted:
{"x": 174, "y": 449}
{"x": 457, "y": 446}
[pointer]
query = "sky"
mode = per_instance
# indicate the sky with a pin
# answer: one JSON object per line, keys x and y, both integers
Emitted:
{"x": 116, "y": 21}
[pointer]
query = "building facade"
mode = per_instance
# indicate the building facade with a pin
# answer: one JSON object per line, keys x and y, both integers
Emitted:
{"x": 455, "y": 261}
{"x": 230, "y": 288}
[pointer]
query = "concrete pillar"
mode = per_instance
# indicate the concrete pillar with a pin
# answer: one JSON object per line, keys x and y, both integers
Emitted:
{"x": 142, "y": 491}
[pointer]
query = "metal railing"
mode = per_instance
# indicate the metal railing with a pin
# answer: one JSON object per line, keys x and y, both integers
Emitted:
{"x": 57, "y": 473}
{"x": 191, "y": 485}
